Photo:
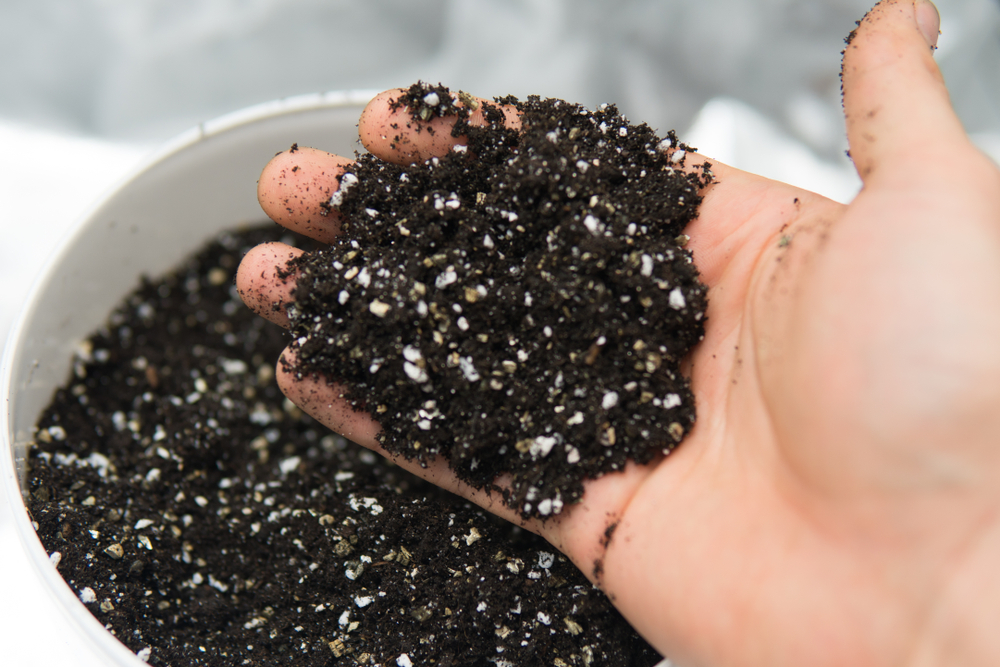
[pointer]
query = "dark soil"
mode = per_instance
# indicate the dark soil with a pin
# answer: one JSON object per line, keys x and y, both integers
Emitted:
{"x": 205, "y": 521}
{"x": 520, "y": 305}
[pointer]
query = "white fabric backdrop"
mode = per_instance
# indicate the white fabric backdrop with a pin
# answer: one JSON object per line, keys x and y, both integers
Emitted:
{"x": 147, "y": 70}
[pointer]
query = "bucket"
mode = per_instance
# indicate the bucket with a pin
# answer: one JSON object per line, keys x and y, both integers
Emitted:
{"x": 198, "y": 184}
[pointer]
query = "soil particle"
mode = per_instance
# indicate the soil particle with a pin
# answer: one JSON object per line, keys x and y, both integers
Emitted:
{"x": 204, "y": 520}
{"x": 520, "y": 305}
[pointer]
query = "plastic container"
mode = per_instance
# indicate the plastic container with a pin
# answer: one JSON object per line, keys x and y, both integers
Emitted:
{"x": 200, "y": 183}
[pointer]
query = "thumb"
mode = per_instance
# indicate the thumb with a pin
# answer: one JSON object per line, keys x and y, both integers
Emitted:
{"x": 895, "y": 101}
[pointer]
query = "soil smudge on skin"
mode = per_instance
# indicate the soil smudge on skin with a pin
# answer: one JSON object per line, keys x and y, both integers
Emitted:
{"x": 520, "y": 305}
{"x": 609, "y": 532}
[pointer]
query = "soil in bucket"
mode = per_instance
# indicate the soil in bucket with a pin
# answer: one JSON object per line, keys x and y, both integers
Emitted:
{"x": 204, "y": 520}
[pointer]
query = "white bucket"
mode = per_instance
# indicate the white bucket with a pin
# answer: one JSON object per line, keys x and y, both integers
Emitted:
{"x": 200, "y": 183}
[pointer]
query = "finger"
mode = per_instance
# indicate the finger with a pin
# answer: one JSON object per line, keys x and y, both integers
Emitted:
{"x": 295, "y": 188}
{"x": 326, "y": 402}
{"x": 895, "y": 100}
{"x": 390, "y": 131}
{"x": 262, "y": 282}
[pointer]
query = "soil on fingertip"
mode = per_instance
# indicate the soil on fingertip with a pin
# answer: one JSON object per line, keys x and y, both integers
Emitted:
{"x": 520, "y": 305}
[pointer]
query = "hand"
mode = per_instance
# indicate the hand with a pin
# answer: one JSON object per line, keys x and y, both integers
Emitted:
{"x": 837, "y": 500}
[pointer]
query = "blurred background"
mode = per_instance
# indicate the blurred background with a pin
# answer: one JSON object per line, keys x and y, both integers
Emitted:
{"x": 89, "y": 88}
{"x": 143, "y": 71}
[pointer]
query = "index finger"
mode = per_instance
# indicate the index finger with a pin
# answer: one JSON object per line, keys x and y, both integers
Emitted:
{"x": 397, "y": 133}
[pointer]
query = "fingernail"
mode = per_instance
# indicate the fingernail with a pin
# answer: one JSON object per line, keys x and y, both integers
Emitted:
{"x": 928, "y": 20}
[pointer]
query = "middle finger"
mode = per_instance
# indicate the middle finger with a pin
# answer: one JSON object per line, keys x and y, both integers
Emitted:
{"x": 295, "y": 189}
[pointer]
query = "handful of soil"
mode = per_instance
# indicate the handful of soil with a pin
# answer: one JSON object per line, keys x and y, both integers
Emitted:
{"x": 519, "y": 305}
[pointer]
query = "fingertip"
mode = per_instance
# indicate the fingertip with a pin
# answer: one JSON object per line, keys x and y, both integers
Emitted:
{"x": 388, "y": 129}
{"x": 262, "y": 283}
{"x": 376, "y": 118}
{"x": 895, "y": 101}
{"x": 294, "y": 190}
{"x": 928, "y": 20}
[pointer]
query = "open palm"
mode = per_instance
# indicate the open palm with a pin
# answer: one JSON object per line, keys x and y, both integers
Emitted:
{"x": 836, "y": 502}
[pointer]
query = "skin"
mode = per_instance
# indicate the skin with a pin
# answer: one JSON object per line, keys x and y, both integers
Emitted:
{"x": 837, "y": 501}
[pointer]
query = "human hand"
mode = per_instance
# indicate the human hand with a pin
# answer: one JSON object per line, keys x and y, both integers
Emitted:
{"x": 836, "y": 501}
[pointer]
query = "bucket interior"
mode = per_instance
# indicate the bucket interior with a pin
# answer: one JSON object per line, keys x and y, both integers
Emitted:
{"x": 201, "y": 183}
